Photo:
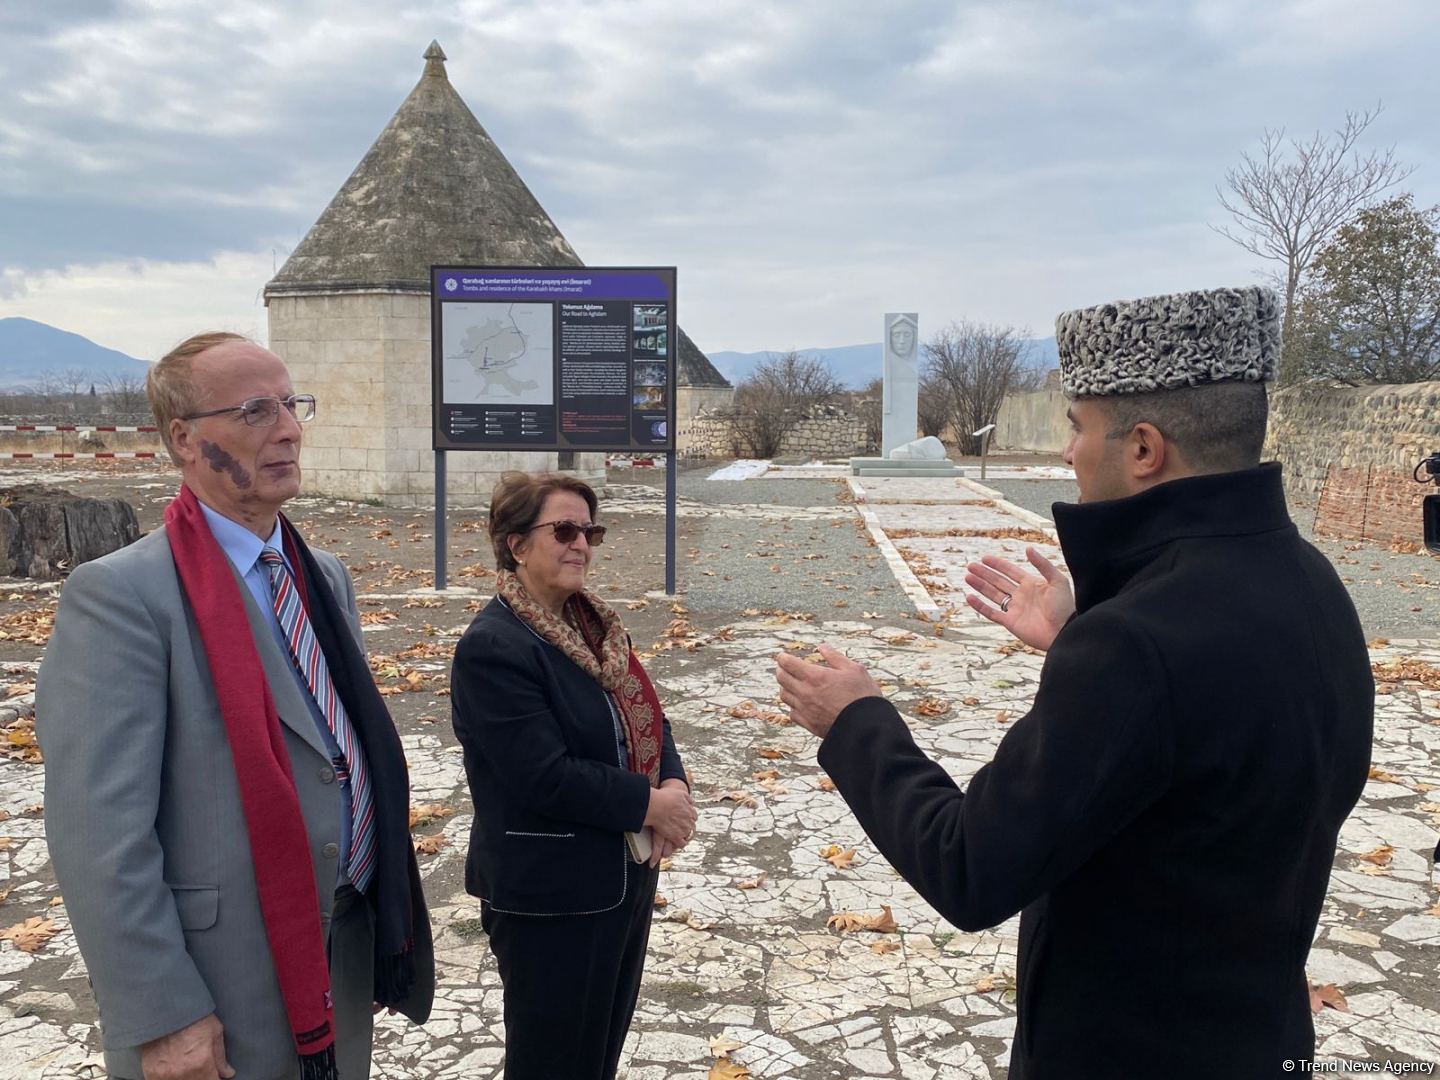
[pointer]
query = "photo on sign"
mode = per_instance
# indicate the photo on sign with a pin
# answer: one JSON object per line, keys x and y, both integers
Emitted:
{"x": 650, "y": 373}
{"x": 650, "y": 397}
{"x": 649, "y": 316}
{"x": 497, "y": 353}
{"x": 649, "y": 343}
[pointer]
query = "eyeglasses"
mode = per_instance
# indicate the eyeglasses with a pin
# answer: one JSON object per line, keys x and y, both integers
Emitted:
{"x": 264, "y": 411}
{"x": 566, "y": 531}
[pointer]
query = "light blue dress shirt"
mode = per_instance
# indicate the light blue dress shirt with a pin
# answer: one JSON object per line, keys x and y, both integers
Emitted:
{"x": 242, "y": 547}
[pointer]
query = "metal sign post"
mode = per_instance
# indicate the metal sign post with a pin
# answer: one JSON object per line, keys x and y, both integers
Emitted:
{"x": 984, "y": 434}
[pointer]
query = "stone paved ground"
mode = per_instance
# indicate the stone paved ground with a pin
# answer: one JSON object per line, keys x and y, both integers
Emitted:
{"x": 741, "y": 950}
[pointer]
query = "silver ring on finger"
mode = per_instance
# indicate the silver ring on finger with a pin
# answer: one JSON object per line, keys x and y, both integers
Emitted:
{"x": 1005, "y": 604}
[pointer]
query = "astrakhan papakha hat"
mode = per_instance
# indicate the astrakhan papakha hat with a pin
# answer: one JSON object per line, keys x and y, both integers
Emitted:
{"x": 1166, "y": 342}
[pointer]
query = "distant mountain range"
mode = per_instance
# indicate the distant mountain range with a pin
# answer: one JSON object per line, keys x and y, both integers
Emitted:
{"x": 30, "y": 350}
{"x": 855, "y": 365}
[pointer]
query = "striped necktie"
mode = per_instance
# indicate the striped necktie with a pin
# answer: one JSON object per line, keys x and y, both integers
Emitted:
{"x": 305, "y": 651}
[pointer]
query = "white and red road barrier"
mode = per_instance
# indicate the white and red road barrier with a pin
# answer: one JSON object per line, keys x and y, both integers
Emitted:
{"x": 630, "y": 463}
{"x": 19, "y": 456}
{"x": 77, "y": 427}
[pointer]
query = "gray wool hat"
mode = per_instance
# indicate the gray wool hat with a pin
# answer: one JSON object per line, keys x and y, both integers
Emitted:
{"x": 1165, "y": 342}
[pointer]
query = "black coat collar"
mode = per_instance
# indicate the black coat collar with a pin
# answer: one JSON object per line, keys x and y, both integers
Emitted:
{"x": 1107, "y": 543}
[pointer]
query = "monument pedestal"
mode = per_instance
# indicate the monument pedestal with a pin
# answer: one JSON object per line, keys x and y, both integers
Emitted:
{"x": 879, "y": 466}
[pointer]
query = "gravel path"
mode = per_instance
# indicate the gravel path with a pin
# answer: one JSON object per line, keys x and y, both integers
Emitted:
{"x": 1397, "y": 595}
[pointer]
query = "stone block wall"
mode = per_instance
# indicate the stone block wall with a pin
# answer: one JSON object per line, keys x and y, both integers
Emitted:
{"x": 366, "y": 358}
{"x": 832, "y": 434}
{"x": 1352, "y": 450}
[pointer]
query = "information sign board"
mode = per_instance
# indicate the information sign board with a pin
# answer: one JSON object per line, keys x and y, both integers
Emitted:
{"x": 553, "y": 358}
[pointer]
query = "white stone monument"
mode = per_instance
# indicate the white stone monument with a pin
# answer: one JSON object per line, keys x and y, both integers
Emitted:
{"x": 900, "y": 402}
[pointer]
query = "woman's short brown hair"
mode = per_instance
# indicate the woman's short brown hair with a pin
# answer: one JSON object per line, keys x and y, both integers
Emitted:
{"x": 516, "y": 502}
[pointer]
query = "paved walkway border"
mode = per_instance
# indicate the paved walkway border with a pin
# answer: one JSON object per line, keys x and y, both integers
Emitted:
{"x": 904, "y": 576}
{"x": 1040, "y": 521}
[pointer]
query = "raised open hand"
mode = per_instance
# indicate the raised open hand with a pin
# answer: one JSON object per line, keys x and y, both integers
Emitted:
{"x": 1033, "y": 607}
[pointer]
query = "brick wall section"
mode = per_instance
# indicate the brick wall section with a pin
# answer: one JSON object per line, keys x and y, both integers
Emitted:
{"x": 1355, "y": 449}
{"x": 708, "y": 435}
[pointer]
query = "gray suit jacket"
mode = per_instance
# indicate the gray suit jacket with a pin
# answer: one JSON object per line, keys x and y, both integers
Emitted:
{"x": 144, "y": 819}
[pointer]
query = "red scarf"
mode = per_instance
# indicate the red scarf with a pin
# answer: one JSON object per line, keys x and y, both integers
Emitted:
{"x": 592, "y": 636}
{"x": 279, "y": 845}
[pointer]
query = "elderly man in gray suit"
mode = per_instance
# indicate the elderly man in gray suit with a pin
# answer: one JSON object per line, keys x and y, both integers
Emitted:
{"x": 227, "y": 795}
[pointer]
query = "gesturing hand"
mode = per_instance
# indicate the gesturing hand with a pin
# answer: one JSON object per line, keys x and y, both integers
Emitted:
{"x": 817, "y": 695}
{"x": 1032, "y": 607}
{"x": 196, "y": 1052}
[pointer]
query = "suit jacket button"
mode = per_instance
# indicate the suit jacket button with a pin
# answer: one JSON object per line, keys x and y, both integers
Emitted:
{"x": 327, "y": 775}
{"x": 330, "y": 851}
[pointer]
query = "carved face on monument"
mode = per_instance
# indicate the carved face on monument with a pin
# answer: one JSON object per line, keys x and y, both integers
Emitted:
{"x": 902, "y": 338}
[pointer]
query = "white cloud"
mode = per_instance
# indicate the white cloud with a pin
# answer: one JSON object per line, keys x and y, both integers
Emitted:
{"x": 807, "y": 165}
{"x": 144, "y": 307}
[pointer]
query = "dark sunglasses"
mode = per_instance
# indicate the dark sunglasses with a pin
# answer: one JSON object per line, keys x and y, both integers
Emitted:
{"x": 566, "y": 531}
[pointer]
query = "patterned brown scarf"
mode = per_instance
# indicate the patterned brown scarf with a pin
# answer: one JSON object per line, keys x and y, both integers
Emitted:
{"x": 592, "y": 636}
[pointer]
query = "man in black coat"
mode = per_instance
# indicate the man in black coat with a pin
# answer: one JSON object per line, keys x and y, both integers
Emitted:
{"x": 1165, "y": 816}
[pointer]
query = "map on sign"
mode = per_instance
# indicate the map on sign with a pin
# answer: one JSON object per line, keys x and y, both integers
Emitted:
{"x": 498, "y": 353}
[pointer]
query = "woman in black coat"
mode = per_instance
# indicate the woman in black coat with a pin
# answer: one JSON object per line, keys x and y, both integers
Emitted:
{"x": 578, "y": 789}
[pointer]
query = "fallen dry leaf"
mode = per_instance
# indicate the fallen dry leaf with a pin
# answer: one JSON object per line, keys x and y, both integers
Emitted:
{"x": 430, "y": 845}
{"x": 739, "y": 798}
{"x": 838, "y": 857}
{"x": 1377, "y": 773}
{"x": 20, "y": 688}
{"x": 882, "y": 947}
{"x": 666, "y": 863}
{"x": 1381, "y": 856}
{"x": 932, "y": 706}
{"x": 29, "y": 935}
{"x": 746, "y": 710}
{"x": 997, "y": 980}
{"x": 774, "y": 753}
{"x": 428, "y": 814}
{"x": 826, "y": 784}
{"x": 1407, "y": 670}
{"x": 1002, "y": 717}
{"x": 766, "y": 774}
{"x": 660, "y": 900}
{"x": 1325, "y": 996}
{"x": 752, "y": 883}
{"x": 722, "y": 1045}
{"x": 19, "y": 742}
{"x": 725, "y": 1069}
{"x": 851, "y": 921}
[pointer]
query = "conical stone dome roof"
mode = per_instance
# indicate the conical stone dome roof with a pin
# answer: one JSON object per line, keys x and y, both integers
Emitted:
{"x": 435, "y": 189}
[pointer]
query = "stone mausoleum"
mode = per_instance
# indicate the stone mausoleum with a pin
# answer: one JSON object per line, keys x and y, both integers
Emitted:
{"x": 349, "y": 312}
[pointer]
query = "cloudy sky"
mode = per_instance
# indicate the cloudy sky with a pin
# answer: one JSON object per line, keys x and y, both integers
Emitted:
{"x": 807, "y": 165}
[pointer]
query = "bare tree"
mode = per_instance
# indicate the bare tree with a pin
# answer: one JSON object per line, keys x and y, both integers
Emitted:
{"x": 1289, "y": 200}
{"x": 73, "y": 381}
{"x": 868, "y": 404}
{"x": 932, "y": 405}
{"x": 777, "y": 395}
{"x": 125, "y": 393}
{"x": 974, "y": 365}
